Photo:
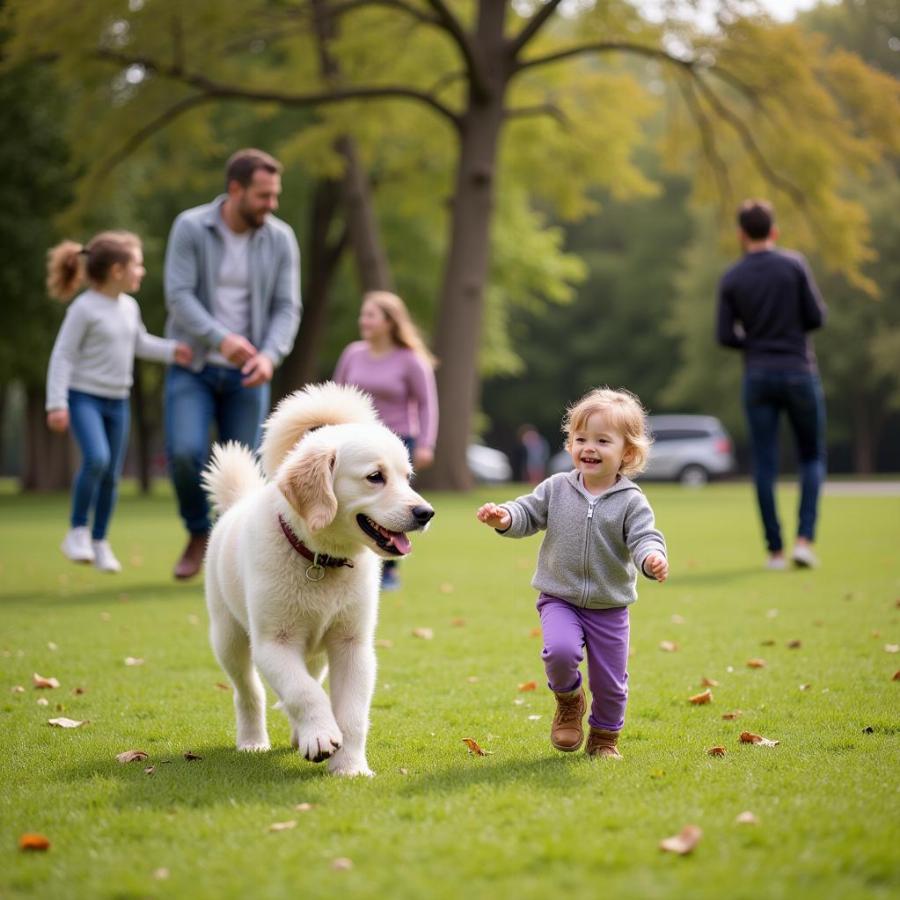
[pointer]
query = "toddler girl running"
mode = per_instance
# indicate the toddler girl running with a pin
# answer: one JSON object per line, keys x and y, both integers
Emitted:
{"x": 599, "y": 532}
{"x": 90, "y": 375}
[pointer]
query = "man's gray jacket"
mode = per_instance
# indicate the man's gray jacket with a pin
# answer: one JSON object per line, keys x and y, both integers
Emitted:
{"x": 193, "y": 258}
{"x": 593, "y": 545}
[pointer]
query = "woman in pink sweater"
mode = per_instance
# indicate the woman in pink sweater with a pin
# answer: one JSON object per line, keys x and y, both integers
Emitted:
{"x": 392, "y": 363}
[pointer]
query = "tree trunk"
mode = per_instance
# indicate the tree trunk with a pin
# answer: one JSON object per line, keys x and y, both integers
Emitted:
{"x": 866, "y": 428}
{"x": 47, "y": 465}
{"x": 322, "y": 258}
{"x": 461, "y": 308}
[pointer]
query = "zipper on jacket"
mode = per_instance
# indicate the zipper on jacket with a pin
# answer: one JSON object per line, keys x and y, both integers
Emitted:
{"x": 584, "y": 561}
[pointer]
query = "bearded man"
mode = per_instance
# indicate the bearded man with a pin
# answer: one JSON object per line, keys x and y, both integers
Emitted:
{"x": 232, "y": 285}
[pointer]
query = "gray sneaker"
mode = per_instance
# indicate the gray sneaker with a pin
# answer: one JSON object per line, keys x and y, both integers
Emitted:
{"x": 804, "y": 558}
{"x": 76, "y": 545}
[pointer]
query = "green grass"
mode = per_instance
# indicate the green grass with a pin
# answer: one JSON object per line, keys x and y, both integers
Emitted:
{"x": 524, "y": 822}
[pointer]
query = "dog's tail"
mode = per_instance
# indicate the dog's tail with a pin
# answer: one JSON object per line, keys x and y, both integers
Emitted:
{"x": 304, "y": 410}
{"x": 231, "y": 473}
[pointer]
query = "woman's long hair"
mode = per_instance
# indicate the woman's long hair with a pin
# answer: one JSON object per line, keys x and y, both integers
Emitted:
{"x": 70, "y": 265}
{"x": 403, "y": 331}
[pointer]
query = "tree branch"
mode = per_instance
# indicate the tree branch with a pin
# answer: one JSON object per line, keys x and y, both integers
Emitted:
{"x": 148, "y": 130}
{"x": 454, "y": 28}
{"x": 223, "y": 91}
{"x": 532, "y": 27}
{"x": 602, "y": 47}
{"x": 338, "y": 9}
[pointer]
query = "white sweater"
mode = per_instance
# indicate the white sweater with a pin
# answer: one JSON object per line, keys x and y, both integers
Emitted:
{"x": 96, "y": 346}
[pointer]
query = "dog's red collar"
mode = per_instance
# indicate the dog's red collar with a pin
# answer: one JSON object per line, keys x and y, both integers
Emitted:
{"x": 315, "y": 572}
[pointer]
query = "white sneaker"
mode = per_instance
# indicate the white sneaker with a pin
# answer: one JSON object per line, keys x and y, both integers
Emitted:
{"x": 76, "y": 545}
{"x": 804, "y": 558}
{"x": 104, "y": 558}
{"x": 776, "y": 564}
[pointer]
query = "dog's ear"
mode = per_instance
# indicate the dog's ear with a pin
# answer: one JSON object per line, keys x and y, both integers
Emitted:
{"x": 307, "y": 482}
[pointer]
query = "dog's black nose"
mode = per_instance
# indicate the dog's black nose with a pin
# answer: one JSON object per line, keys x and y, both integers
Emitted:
{"x": 422, "y": 514}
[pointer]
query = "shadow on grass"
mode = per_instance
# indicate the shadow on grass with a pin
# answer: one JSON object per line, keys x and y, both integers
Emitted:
{"x": 222, "y": 775}
{"x": 119, "y": 595}
{"x": 718, "y": 577}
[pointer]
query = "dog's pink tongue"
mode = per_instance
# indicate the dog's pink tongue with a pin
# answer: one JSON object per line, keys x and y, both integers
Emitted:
{"x": 401, "y": 542}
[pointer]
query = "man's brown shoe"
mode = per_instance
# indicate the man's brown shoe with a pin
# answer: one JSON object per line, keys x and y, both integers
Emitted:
{"x": 192, "y": 559}
{"x": 567, "y": 732}
{"x": 603, "y": 743}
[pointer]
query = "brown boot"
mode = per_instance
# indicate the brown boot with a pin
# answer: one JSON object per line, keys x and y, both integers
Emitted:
{"x": 567, "y": 732}
{"x": 602, "y": 743}
{"x": 192, "y": 559}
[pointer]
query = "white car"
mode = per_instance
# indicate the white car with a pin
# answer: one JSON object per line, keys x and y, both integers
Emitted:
{"x": 488, "y": 466}
{"x": 688, "y": 449}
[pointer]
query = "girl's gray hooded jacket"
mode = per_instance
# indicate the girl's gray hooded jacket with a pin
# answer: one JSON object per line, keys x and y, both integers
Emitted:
{"x": 593, "y": 545}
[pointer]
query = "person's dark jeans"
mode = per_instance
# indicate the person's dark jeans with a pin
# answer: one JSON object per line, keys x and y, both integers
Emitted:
{"x": 768, "y": 393}
{"x": 100, "y": 426}
{"x": 194, "y": 400}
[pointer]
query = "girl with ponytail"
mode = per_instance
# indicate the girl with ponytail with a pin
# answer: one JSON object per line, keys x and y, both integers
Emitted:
{"x": 90, "y": 375}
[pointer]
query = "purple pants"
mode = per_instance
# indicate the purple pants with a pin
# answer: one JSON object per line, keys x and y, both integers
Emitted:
{"x": 569, "y": 631}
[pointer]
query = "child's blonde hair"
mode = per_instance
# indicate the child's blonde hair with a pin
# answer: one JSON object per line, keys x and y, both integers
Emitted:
{"x": 69, "y": 264}
{"x": 626, "y": 414}
{"x": 403, "y": 330}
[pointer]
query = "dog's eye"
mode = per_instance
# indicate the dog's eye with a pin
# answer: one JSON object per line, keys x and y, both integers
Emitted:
{"x": 375, "y": 478}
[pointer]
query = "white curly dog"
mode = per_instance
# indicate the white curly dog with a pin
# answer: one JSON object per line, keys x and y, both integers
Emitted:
{"x": 292, "y": 568}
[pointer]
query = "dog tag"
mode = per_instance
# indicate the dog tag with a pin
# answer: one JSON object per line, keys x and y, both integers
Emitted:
{"x": 315, "y": 572}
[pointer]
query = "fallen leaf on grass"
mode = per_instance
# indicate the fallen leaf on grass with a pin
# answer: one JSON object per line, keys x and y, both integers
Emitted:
{"x": 767, "y": 643}
{"x": 384, "y": 642}
{"x": 426, "y": 634}
{"x": 896, "y": 676}
{"x": 63, "y": 722}
{"x": 756, "y": 663}
{"x": 709, "y": 682}
{"x": 458, "y": 623}
{"x": 43, "y": 701}
{"x": 283, "y": 826}
{"x": 472, "y": 679}
{"x": 794, "y": 644}
{"x": 18, "y": 689}
{"x": 534, "y": 718}
{"x": 701, "y": 698}
{"x": 33, "y": 841}
{"x": 51, "y": 645}
{"x": 684, "y": 841}
{"x": 717, "y": 751}
{"x": 527, "y": 686}
{"x": 160, "y": 874}
{"x": 868, "y": 730}
{"x": 746, "y": 818}
{"x": 474, "y": 749}
{"x": 748, "y": 737}
{"x": 891, "y": 648}
{"x": 133, "y": 661}
{"x": 304, "y": 807}
{"x": 128, "y": 756}
{"x": 342, "y": 864}
{"x": 403, "y": 771}
{"x": 77, "y": 691}
{"x": 189, "y": 755}
{"x": 805, "y": 687}
{"x": 40, "y": 682}
{"x": 535, "y": 632}
{"x": 732, "y": 715}
{"x": 222, "y": 686}
{"x": 445, "y": 587}
{"x": 150, "y": 770}
{"x": 668, "y": 646}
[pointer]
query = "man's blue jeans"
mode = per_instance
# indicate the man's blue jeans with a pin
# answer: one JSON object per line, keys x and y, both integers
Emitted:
{"x": 768, "y": 393}
{"x": 194, "y": 400}
{"x": 100, "y": 426}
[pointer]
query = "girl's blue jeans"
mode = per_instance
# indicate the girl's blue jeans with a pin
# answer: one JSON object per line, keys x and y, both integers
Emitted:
{"x": 100, "y": 426}
{"x": 194, "y": 401}
{"x": 768, "y": 393}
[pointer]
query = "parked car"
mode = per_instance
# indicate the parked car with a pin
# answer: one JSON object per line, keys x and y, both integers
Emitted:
{"x": 487, "y": 465}
{"x": 689, "y": 449}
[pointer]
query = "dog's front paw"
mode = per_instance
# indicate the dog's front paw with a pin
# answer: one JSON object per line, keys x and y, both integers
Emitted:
{"x": 316, "y": 743}
{"x": 253, "y": 746}
{"x": 348, "y": 767}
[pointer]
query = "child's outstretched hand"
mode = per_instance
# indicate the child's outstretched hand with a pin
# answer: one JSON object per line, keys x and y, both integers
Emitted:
{"x": 495, "y": 516}
{"x": 657, "y": 565}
